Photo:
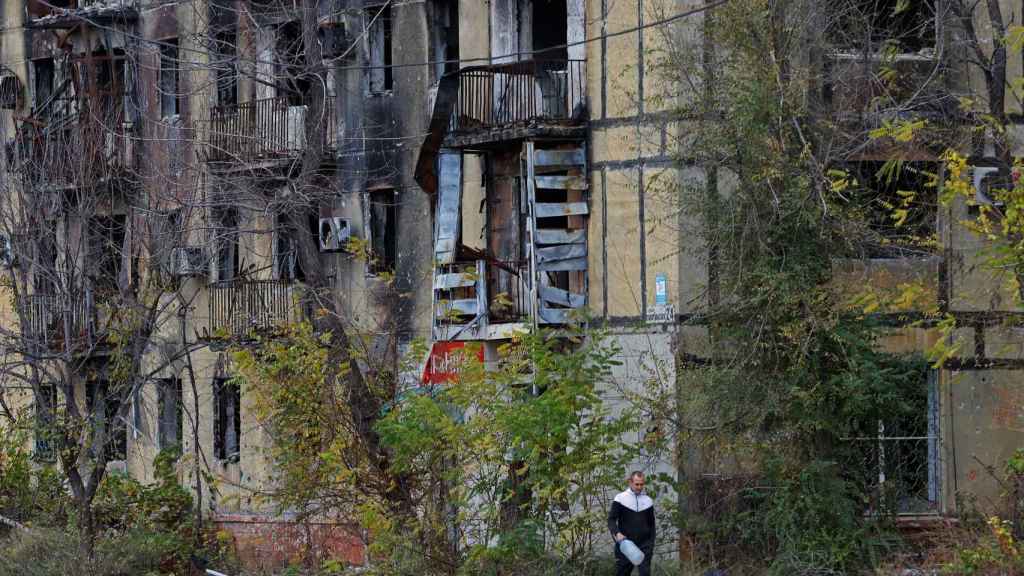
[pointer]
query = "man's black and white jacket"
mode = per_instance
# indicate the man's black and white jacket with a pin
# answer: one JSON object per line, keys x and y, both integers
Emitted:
{"x": 633, "y": 515}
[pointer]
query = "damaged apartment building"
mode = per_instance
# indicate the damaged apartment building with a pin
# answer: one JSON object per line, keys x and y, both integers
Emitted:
{"x": 495, "y": 162}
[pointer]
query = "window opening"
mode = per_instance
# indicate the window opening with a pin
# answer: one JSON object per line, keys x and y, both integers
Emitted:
{"x": 169, "y": 412}
{"x": 170, "y": 90}
{"x": 378, "y": 38}
{"x": 106, "y": 242}
{"x": 227, "y": 424}
{"x": 896, "y": 203}
{"x": 44, "y": 73}
{"x": 872, "y": 25}
{"x": 383, "y": 231}
{"x": 549, "y": 29}
{"x": 226, "y": 242}
{"x": 288, "y": 262}
{"x": 224, "y": 35}
{"x": 43, "y": 446}
{"x": 105, "y": 419}
{"x": 292, "y": 82}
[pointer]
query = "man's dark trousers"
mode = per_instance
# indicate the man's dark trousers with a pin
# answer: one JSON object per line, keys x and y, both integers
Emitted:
{"x": 623, "y": 567}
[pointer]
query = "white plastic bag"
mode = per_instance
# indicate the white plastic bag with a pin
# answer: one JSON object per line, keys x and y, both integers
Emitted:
{"x": 631, "y": 552}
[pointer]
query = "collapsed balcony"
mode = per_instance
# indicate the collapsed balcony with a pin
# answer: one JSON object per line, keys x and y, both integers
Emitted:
{"x": 240, "y": 309}
{"x": 76, "y": 144}
{"x": 66, "y": 14}
{"x": 267, "y": 129}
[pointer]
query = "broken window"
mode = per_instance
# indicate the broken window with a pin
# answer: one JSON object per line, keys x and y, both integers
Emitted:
{"x": 550, "y": 29}
{"x": 895, "y": 204}
{"x": 445, "y": 32}
{"x": 106, "y": 243}
{"x": 170, "y": 90}
{"x": 225, "y": 223}
{"x": 103, "y": 407}
{"x": 224, "y": 36}
{"x": 43, "y": 81}
{"x": 378, "y": 42}
{"x": 872, "y": 26}
{"x": 45, "y": 415}
{"x": 287, "y": 261}
{"x": 227, "y": 419}
{"x": 292, "y": 81}
{"x": 168, "y": 412}
{"x": 383, "y": 231}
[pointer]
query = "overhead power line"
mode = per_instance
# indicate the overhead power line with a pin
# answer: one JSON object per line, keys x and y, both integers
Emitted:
{"x": 479, "y": 60}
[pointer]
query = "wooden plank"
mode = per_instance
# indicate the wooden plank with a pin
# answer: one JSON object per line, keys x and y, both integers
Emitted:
{"x": 455, "y": 280}
{"x": 555, "y": 315}
{"x": 561, "y": 182}
{"x": 561, "y": 297}
{"x": 556, "y": 209}
{"x": 557, "y": 236}
{"x": 574, "y": 265}
{"x": 546, "y": 158}
{"x": 456, "y": 307}
{"x": 561, "y": 252}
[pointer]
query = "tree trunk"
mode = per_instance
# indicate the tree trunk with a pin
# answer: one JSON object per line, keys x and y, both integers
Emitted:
{"x": 86, "y": 530}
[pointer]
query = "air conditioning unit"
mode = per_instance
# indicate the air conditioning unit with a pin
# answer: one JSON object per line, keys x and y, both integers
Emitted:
{"x": 985, "y": 179}
{"x": 188, "y": 261}
{"x": 334, "y": 234}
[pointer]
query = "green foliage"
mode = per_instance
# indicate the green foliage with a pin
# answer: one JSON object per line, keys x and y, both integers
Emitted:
{"x": 48, "y": 552}
{"x": 810, "y": 517}
{"x": 299, "y": 397}
{"x": 526, "y": 455}
{"x": 30, "y": 492}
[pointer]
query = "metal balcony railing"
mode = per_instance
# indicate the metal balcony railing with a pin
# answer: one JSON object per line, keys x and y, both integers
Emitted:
{"x": 76, "y": 145}
{"x": 529, "y": 91}
{"x": 52, "y": 321}
{"x": 239, "y": 308}
{"x": 264, "y": 129}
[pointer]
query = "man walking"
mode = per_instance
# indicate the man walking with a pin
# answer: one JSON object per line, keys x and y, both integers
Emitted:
{"x": 632, "y": 516}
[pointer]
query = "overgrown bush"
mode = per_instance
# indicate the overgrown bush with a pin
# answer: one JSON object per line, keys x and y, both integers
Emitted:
{"x": 30, "y": 492}
{"x": 51, "y": 552}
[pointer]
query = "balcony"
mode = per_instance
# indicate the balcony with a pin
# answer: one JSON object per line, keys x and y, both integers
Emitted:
{"x": 58, "y": 322}
{"x": 240, "y": 309}
{"x": 264, "y": 130}
{"x": 75, "y": 145}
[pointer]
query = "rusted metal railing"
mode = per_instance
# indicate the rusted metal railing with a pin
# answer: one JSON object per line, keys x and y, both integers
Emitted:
{"x": 52, "y": 320}
{"x": 264, "y": 129}
{"x": 239, "y": 308}
{"x": 501, "y": 95}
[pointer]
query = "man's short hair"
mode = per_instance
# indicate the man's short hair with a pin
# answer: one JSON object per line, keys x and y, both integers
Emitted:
{"x": 634, "y": 474}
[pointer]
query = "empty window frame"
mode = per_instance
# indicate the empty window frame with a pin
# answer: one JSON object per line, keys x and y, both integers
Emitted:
{"x": 227, "y": 419}
{"x": 872, "y": 26}
{"x": 225, "y": 230}
{"x": 106, "y": 250}
{"x": 383, "y": 231}
{"x": 45, "y": 415}
{"x": 224, "y": 40}
{"x": 380, "y": 75}
{"x": 896, "y": 204}
{"x": 101, "y": 403}
{"x": 168, "y": 392}
{"x": 287, "y": 261}
{"x": 43, "y": 73}
{"x": 170, "y": 89}
{"x": 292, "y": 81}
